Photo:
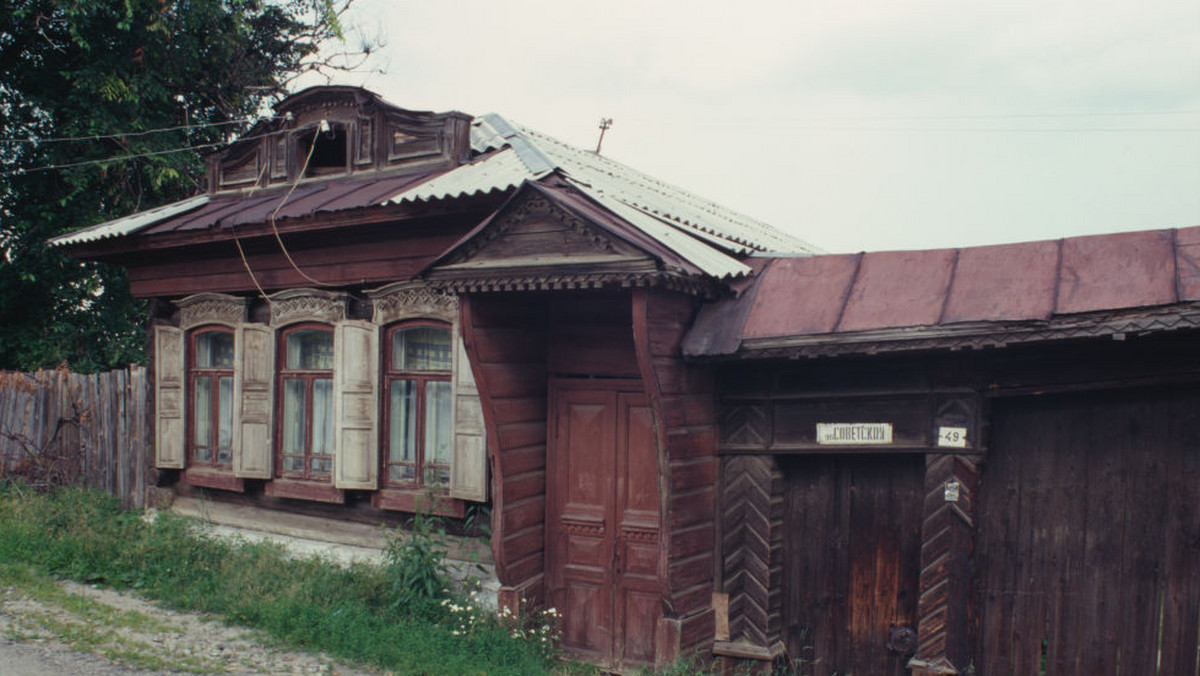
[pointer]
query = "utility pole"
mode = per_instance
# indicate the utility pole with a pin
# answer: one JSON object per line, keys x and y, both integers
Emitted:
{"x": 605, "y": 123}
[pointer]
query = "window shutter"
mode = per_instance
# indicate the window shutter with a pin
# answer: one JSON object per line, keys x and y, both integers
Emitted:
{"x": 169, "y": 378}
{"x": 253, "y": 381}
{"x": 468, "y": 474}
{"x": 356, "y": 372}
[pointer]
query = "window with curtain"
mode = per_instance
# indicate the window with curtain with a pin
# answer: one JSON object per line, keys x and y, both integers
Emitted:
{"x": 418, "y": 401}
{"x": 305, "y": 400}
{"x": 210, "y": 377}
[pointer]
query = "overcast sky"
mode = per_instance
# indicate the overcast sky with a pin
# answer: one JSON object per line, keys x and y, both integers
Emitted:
{"x": 868, "y": 125}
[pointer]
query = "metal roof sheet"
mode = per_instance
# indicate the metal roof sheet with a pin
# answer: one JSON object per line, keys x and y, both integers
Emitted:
{"x": 711, "y": 261}
{"x": 130, "y": 224}
{"x": 498, "y": 171}
{"x": 855, "y": 301}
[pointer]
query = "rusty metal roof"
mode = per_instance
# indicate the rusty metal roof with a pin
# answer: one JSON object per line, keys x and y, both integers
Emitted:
{"x": 991, "y": 295}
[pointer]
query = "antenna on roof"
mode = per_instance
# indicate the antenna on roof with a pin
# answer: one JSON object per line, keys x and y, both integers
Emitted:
{"x": 605, "y": 123}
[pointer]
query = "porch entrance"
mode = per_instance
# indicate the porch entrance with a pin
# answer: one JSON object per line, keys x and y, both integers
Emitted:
{"x": 602, "y": 521}
{"x": 852, "y": 533}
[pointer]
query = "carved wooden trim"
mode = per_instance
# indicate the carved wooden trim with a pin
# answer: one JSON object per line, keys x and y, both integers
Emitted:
{"x": 409, "y": 300}
{"x": 307, "y": 305}
{"x": 752, "y": 547}
{"x": 211, "y": 308}
{"x": 946, "y": 535}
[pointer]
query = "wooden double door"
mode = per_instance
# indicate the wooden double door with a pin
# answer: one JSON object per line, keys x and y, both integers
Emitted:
{"x": 602, "y": 521}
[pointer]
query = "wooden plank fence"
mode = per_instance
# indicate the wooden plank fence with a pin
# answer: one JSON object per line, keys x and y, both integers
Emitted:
{"x": 58, "y": 427}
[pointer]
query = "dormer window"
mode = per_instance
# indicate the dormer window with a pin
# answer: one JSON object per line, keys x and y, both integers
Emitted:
{"x": 327, "y": 145}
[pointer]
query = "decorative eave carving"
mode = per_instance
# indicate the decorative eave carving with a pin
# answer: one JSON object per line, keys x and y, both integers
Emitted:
{"x": 561, "y": 282}
{"x": 408, "y": 300}
{"x": 211, "y": 308}
{"x": 307, "y": 305}
{"x": 978, "y": 336}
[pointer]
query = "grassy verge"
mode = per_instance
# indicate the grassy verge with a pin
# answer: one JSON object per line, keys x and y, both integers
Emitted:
{"x": 352, "y": 613}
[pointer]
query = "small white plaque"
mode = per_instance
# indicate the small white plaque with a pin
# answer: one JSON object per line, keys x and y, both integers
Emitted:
{"x": 854, "y": 434}
{"x": 952, "y": 436}
{"x": 951, "y": 493}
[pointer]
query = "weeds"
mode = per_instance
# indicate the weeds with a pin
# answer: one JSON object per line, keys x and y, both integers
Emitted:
{"x": 350, "y": 612}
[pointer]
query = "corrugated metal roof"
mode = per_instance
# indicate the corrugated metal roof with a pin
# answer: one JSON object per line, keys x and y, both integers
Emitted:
{"x": 497, "y": 171}
{"x": 901, "y": 296}
{"x": 739, "y": 233}
{"x": 130, "y": 224}
{"x": 646, "y": 202}
{"x": 711, "y": 261}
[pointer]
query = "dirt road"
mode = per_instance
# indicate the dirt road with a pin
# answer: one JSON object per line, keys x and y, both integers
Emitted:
{"x": 84, "y": 631}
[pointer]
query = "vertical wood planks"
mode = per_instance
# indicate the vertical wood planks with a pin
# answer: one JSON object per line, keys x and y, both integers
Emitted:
{"x": 1089, "y": 525}
{"x": 65, "y": 427}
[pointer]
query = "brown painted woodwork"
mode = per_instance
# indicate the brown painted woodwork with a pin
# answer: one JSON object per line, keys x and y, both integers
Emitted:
{"x": 602, "y": 542}
{"x": 212, "y": 478}
{"x": 752, "y": 506}
{"x": 304, "y": 490}
{"x": 505, "y": 340}
{"x": 786, "y": 423}
{"x": 946, "y": 548}
{"x": 1088, "y": 535}
{"x": 356, "y": 258}
{"x": 683, "y": 401}
{"x": 852, "y": 560}
{"x": 592, "y": 337}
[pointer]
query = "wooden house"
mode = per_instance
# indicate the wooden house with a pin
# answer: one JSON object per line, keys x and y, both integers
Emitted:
{"x": 694, "y": 436}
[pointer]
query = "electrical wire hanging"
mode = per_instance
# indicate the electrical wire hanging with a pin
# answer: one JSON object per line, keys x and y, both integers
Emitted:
{"x": 143, "y": 132}
{"x": 282, "y": 202}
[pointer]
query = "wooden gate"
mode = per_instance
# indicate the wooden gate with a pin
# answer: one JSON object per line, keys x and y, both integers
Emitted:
{"x": 852, "y": 561}
{"x": 602, "y": 536}
{"x": 1088, "y": 545}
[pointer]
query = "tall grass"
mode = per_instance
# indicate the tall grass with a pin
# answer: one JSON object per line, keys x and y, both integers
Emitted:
{"x": 350, "y": 612}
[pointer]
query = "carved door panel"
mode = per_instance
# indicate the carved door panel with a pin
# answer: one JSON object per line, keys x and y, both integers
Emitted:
{"x": 603, "y": 523}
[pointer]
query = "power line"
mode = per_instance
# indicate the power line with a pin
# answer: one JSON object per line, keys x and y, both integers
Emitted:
{"x": 122, "y": 158}
{"x": 144, "y": 132}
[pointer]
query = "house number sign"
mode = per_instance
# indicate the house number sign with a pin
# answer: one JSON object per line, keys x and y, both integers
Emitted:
{"x": 854, "y": 434}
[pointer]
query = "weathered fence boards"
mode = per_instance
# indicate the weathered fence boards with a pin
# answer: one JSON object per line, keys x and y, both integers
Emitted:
{"x": 63, "y": 427}
{"x": 1088, "y": 541}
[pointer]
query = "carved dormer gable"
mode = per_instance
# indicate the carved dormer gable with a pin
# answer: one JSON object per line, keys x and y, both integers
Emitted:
{"x": 538, "y": 234}
{"x": 536, "y": 243}
{"x": 329, "y": 132}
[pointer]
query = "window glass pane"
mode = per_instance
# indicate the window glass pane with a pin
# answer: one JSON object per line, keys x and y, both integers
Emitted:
{"x": 437, "y": 422}
{"x": 214, "y": 349}
{"x": 402, "y": 437}
{"x": 310, "y": 349}
{"x": 225, "y": 412}
{"x": 402, "y": 473}
{"x": 322, "y": 417}
{"x": 202, "y": 412}
{"x": 293, "y": 416}
{"x": 421, "y": 348}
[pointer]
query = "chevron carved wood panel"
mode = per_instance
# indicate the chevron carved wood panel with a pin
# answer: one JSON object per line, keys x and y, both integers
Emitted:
{"x": 752, "y": 547}
{"x": 946, "y": 535}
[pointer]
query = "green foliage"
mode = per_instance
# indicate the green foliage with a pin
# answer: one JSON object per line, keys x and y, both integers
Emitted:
{"x": 349, "y": 612}
{"x": 80, "y": 81}
{"x": 417, "y": 566}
